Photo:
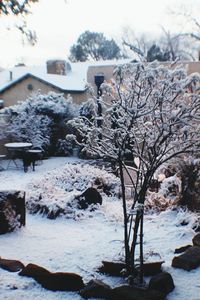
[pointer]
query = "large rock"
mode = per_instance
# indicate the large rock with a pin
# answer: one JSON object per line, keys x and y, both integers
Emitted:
{"x": 196, "y": 240}
{"x": 162, "y": 282}
{"x": 112, "y": 268}
{"x": 88, "y": 197}
{"x": 189, "y": 260}
{"x": 126, "y": 292}
{"x": 11, "y": 265}
{"x": 151, "y": 268}
{"x": 58, "y": 281}
{"x": 182, "y": 249}
{"x": 62, "y": 281}
{"x": 96, "y": 289}
{"x": 12, "y": 210}
{"x": 34, "y": 271}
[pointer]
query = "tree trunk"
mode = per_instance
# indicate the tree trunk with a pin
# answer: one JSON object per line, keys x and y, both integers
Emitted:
{"x": 141, "y": 275}
{"x": 134, "y": 241}
{"x": 126, "y": 243}
{"x": 139, "y": 225}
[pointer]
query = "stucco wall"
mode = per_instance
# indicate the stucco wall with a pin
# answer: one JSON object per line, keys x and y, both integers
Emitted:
{"x": 20, "y": 92}
{"x": 191, "y": 67}
{"x": 107, "y": 70}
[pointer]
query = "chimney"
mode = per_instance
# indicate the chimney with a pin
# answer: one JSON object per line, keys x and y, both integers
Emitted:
{"x": 59, "y": 67}
{"x": 10, "y": 75}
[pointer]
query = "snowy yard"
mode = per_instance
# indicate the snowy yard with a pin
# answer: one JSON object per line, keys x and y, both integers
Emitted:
{"x": 80, "y": 245}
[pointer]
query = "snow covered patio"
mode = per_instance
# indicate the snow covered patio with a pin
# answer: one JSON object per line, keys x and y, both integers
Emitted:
{"x": 79, "y": 245}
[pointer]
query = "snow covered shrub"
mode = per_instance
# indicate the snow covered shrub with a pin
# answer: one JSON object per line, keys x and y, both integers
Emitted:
{"x": 167, "y": 195}
{"x": 41, "y": 120}
{"x": 65, "y": 147}
{"x": 88, "y": 109}
{"x": 181, "y": 187}
{"x": 189, "y": 172}
{"x": 56, "y": 193}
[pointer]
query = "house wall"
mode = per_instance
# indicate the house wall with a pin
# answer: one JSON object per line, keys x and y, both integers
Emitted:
{"x": 20, "y": 92}
{"x": 107, "y": 70}
{"x": 191, "y": 67}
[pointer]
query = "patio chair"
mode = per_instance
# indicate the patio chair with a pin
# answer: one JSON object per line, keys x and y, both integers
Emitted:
{"x": 2, "y": 157}
{"x": 31, "y": 156}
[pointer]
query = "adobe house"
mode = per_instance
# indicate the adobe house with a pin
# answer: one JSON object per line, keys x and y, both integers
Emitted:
{"x": 57, "y": 76}
{"x": 61, "y": 77}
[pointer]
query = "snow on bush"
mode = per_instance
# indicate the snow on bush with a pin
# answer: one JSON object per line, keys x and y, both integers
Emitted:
{"x": 41, "y": 120}
{"x": 180, "y": 185}
{"x": 55, "y": 194}
{"x": 167, "y": 195}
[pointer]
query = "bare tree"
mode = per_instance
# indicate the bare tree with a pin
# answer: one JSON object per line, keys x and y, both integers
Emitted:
{"x": 152, "y": 111}
{"x": 19, "y": 9}
{"x": 166, "y": 47}
{"x": 187, "y": 16}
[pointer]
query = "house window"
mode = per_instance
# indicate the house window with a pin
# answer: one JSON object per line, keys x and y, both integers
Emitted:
{"x": 1, "y": 103}
{"x": 30, "y": 87}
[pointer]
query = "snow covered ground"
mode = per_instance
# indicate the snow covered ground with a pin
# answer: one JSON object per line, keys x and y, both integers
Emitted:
{"x": 80, "y": 245}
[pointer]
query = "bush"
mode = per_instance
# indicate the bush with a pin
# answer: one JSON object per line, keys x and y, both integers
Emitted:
{"x": 55, "y": 194}
{"x": 41, "y": 120}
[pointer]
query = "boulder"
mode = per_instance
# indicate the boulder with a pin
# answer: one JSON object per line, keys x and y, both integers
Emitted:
{"x": 58, "y": 281}
{"x": 88, "y": 197}
{"x": 112, "y": 268}
{"x": 62, "y": 281}
{"x": 12, "y": 210}
{"x": 126, "y": 292}
{"x": 182, "y": 249}
{"x": 151, "y": 268}
{"x": 189, "y": 260}
{"x": 96, "y": 289}
{"x": 196, "y": 240}
{"x": 162, "y": 282}
{"x": 11, "y": 265}
{"x": 34, "y": 271}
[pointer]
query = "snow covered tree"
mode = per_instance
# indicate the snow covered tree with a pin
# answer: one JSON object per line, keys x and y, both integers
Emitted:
{"x": 94, "y": 45}
{"x": 153, "y": 112}
{"x": 41, "y": 120}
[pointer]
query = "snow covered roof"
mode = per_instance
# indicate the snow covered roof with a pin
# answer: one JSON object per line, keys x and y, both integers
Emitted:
{"x": 75, "y": 80}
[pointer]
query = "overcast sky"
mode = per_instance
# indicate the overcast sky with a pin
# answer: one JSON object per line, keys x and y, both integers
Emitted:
{"x": 59, "y": 23}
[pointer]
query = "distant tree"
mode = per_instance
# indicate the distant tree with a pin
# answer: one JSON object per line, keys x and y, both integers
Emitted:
{"x": 186, "y": 16}
{"x": 167, "y": 47}
{"x": 94, "y": 46}
{"x": 155, "y": 53}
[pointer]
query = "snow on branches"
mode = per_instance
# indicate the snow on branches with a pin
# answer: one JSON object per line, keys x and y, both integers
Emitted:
{"x": 150, "y": 113}
{"x": 150, "y": 110}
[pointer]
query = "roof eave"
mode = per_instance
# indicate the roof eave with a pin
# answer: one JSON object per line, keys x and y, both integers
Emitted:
{"x": 43, "y": 81}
